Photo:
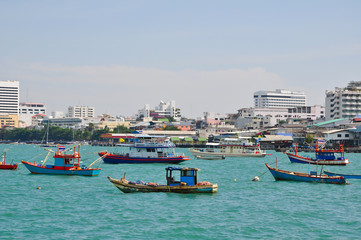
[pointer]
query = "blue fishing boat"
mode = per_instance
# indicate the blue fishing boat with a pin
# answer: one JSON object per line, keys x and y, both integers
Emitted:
{"x": 347, "y": 176}
{"x": 64, "y": 164}
{"x": 322, "y": 156}
{"x": 187, "y": 183}
{"x": 150, "y": 149}
{"x": 284, "y": 175}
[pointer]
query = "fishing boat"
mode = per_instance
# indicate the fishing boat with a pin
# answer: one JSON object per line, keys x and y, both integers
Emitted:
{"x": 210, "y": 157}
{"x": 284, "y": 175}
{"x": 64, "y": 164}
{"x": 322, "y": 156}
{"x": 149, "y": 149}
{"x": 347, "y": 176}
{"x": 187, "y": 183}
{"x": 4, "y": 166}
{"x": 230, "y": 147}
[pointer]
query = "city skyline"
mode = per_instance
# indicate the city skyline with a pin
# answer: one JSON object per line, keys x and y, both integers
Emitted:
{"x": 209, "y": 57}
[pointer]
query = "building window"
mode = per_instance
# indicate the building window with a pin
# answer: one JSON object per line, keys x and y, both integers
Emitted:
{"x": 339, "y": 135}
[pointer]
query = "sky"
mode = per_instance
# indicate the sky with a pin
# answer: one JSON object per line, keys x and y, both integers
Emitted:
{"x": 208, "y": 56}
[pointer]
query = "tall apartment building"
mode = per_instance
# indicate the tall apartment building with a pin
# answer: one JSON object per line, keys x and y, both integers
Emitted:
{"x": 28, "y": 110}
{"x": 344, "y": 102}
{"x": 9, "y": 97}
{"x": 81, "y": 112}
{"x": 279, "y": 99}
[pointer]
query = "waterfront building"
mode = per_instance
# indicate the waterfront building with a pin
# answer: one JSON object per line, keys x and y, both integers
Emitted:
{"x": 11, "y": 120}
{"x": 279, "y": 99}
{"x": 28, "y": 110}
{"x": 344, "y": 102}
{"x": 9, "y": 97}
{"x": 163, "y": 110}
{"x": 81, "y": 112}
{"x": 64, "y": 122}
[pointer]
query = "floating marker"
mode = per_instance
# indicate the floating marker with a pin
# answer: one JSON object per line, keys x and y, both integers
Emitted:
{"x": 255, "y": 179}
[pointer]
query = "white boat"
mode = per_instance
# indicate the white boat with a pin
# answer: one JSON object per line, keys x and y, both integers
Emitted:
{"x": 230, "y": 147}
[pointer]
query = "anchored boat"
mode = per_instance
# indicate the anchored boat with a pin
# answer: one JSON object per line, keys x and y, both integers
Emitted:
{"x": 64, "y": 164}
{"x": 284, "y": 175}
{"x": 186, "y": 184}
{"x": 230, "y": 147}
{"x": 150, "y": 149}
{"x": 323, "y": 156}
{"x": 4, "y": 166}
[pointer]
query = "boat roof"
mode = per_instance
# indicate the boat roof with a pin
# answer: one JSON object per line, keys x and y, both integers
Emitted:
{"x": 181, "y": 169}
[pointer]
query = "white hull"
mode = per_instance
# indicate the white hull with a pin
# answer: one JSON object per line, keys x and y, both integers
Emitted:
{"x": 198, "y": 152}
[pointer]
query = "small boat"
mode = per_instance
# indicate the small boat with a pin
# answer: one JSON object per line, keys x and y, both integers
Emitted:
{"x": 210, "y": 157}
{"x": 150, "y": 149}
{"x": 64, "y": 164}
{"x": 4, "y": 166}
{"x": 347, "y": 176}
{"x": 284, "y": 175}
{"x": 187, "y": 183}
{"x": 230, "y": 147}
{"x": 323, "y": 157}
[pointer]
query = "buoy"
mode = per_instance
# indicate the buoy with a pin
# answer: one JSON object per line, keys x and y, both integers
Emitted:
{"x": 255, "y": 179}
{"x": 235, "y": 179}
{"x": 38, "y": 188}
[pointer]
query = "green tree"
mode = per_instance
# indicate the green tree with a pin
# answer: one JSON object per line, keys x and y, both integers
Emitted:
{"x": 309, "y": 138}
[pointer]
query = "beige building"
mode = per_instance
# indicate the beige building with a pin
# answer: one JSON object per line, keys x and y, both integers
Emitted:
{"x": 9, "y": 121}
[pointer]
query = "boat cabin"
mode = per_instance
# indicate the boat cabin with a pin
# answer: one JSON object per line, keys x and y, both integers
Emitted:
{"x": 188, "y": 176}
{"x": 67, "y": 160}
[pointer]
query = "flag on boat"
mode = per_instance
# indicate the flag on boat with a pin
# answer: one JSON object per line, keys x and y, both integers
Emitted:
{"x": 321, "y": 141}
{"x": 61, "y": 148}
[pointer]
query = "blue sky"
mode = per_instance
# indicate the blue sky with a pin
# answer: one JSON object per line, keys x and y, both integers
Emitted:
{"x": 211, "y": 56}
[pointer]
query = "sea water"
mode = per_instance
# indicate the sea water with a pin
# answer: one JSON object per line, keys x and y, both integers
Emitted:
{"x": 76, "y": 207}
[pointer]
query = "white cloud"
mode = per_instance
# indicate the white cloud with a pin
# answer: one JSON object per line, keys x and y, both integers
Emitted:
{"x": 123, "y": 90}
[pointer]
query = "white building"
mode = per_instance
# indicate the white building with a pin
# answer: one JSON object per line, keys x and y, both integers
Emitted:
{"x": 279, "y": 99}
{"x": 28, "y": 110}
{"x": 163, "y": 110}
{"x": 344, "y": 102}
{"x": 81, "y": 112}
{"x": 9, "y": 97}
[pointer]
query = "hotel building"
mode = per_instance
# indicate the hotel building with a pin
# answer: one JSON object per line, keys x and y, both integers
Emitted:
{"x": 9, "y": 103}
{"x": 28, "y": 110}
{"x": 279, "y": 99}
{"x": 81, "y": 112}
{"x": 344, "y": 102}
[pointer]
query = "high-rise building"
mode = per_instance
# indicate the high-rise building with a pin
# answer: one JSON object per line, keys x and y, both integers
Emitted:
{"x": 279, "y": 99}
{"x": 81, "y": 112}
{"x": 344, "y": 102}
{"x": 163, "y": 110}
{"x": 9, "y": 97}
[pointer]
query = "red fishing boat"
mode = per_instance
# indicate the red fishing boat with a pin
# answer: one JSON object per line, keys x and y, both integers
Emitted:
{"x": 4, "y": 166}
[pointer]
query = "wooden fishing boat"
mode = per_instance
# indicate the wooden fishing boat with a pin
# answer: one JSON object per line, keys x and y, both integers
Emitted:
{"x": 284, "y": 175}
{"x": 4, "y": 166}
{"x": 347, "y": 176}
{"x": 322, "y": 156}
{"x": 64, "y": 164}
{"x": 186, "y": 184}
{"x": 210, "y": 157}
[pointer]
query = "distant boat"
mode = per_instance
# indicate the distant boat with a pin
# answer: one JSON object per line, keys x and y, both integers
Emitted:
{"x": 230, "y": 147}
{"x": 347, "y": 176}
{"x": 210, "y": 157}
{"x": 284, "y": 175}
{"x": 323, "y": 157}
{"x": 187, "y": 183}
{"x": 4, "y": 166}
{"x": 150, "y": 149}
{"x": 64, "y": 164}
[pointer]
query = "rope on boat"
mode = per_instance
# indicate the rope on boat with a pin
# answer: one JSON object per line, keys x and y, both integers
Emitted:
{"x": 256, "y": 178}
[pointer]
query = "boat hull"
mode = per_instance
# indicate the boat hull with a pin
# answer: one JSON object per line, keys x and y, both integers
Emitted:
{"x": 124, "y": 186}
{"x": 198, "y": 152}
{"x": 38, "y": 169}
{"x": 116, "y": 159}
{"x": 347, "y": 176}
{"x": 8, "y": 166}
{"x": 299, "y": 159}
{"x": 283, "y": 175}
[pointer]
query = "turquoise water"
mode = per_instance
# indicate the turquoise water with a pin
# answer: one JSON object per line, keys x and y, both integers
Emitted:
{"x": 75, "y": 207}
